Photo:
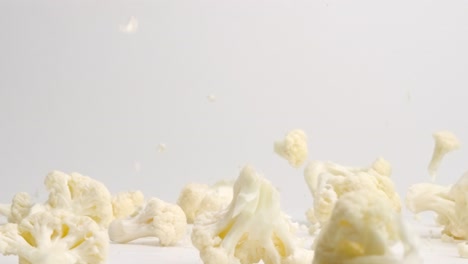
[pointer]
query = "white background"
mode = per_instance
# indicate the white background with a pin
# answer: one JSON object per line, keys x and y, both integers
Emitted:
{"x": 363, "y": 78}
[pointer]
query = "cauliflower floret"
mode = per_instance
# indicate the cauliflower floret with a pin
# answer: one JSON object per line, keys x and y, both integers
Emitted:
{"x": 251, "y": 229}
{"x": 328, "y": 181}
{"x": 55, "y": 237}
{"x": 445, "y": 142}
{"x": 448, "y": 202}
{"x": 157, "y": 219}
{"x": 362, "y": 229}
{"x": 20, "y": 207}
{"x": 126, "y": 203}
{"x": 293, "y": 148}
{"x": 197, "y": 199}
{"x": 81, "y": 195}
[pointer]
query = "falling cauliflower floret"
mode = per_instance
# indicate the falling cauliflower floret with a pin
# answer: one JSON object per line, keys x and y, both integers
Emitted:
{"x": 362, "y": 230}
{"x": 328, "y": 181}
{"x": 157, "y": 219}
{"x": 55, "y": 237}
{"x": 251, "y": 229}
{"x": 445, "y": 142}
{"x": 448, "y": 202}
{"x": 125, "y": 204}
{"x": 197, "y": 199}
{"x": 81, "y": 195}
{"x": 293, "y": 148}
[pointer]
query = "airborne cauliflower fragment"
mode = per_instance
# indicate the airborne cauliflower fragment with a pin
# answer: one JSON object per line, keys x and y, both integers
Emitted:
{"x": 445, "y": 142}
{"x": 55, "y": 237}
{"x": 448, "y": 202}
{"x": 328, "y": 181}
{"x": 251, "y": 229}
{"x": 293, "y": 148}
{"x": 126, "y": 203}
{"x": 157, "y": 219}
{"x": 197, "y": 199}
{"x": 81, "y": 195}
{"x": 362, "y": 229}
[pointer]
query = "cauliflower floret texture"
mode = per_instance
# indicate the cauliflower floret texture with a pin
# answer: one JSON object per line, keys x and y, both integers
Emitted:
{"x": 251, "y": 229}
{"x": 126, "y": 203}
{"x": 21, "y": 206}
{"x": 157, "y": 219}
{"x": 55, "y": 237}
{"x": 293, "y": 148}
{"x": 81, "y": 195}
{"x": 197, "y": 199}
{"x": 448, "y": 202}
{"x": 362, "y": 230}
{"x": 328, "y": 181}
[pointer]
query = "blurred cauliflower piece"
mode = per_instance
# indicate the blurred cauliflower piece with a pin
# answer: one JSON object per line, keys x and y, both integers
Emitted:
{"x": 445, "y": 142}
{"x": 197, "y": 199}
{"x": 362, "y": 229}
{"x": 157, "y": 219}
{"x": 55, "y": 237}
{"x": 20, "y": 207}
{"x": 328, "y": 181}
{"x": 293, "y": 148}
{"x": 81, "y": 195}
{"x": 251, "y": 229}
{"x": 448, "y": 202}
{"x": 125, "y": 204}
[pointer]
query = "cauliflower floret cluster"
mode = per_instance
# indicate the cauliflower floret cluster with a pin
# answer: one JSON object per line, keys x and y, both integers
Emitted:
{"x": 80, "y": 194}
{"x": 55, "y": 237}
{"x": 450, "y": 203}
{"x": 328, "y": 181}
{"x": 251, "y": 229}
{"x": 157, "y": 219}
{"x": 293, "y": 148}
{"x": 197, "y": 199}
{"x": 125, "y": 204}
{"x": 362, "y": 229}
{"x": 444, "y": 142}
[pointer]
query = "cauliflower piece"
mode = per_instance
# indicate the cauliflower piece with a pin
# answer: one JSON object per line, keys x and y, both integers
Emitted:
{"x": 80, "y": 194}
{"x": 448, "y": 202}
{"x": 55, "y": 237}
{"x": 445, "y": 142}
{"x": 157, "y": 219}
{"x": 126, "y": 203}
{"x": 20, "y": 207}
{"x": 251, "y": 229}
{"x": 328, "y": 181}
{"x": 197, "y": 199}
{"x": 362, "y": 229}
{"x": 293, "y": 148}
{"x": 463, "y": 249}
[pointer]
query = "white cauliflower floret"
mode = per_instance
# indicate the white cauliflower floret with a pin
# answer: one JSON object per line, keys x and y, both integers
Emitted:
{"x": 448, "y": 202}
{"x": 251, "y": 229}
{"x": 125, "y": 204}
{"x": 55, "y": 237}
{"x": 81, "y": 195}
{"x": 328, "y": 181}
{"x": 157, "y": 219}
{"x": 197, "y": 199}
{"x": 362, "y": 229}
{"x": 20, "y": 207}
{"x": 445, "y": 142}
{"x": 463, "y": 249}
{"x": 293, "y": 148}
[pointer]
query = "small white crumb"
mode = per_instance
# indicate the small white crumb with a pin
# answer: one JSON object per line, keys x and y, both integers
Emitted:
{"x": 162, "y": 147}
{"x": 131, "y": 26}
{"x": 137, "y": 166}
{"x": 211, "y": 98}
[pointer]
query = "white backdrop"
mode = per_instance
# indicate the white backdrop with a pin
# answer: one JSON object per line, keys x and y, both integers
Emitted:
{"x": 363, "y": 78}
